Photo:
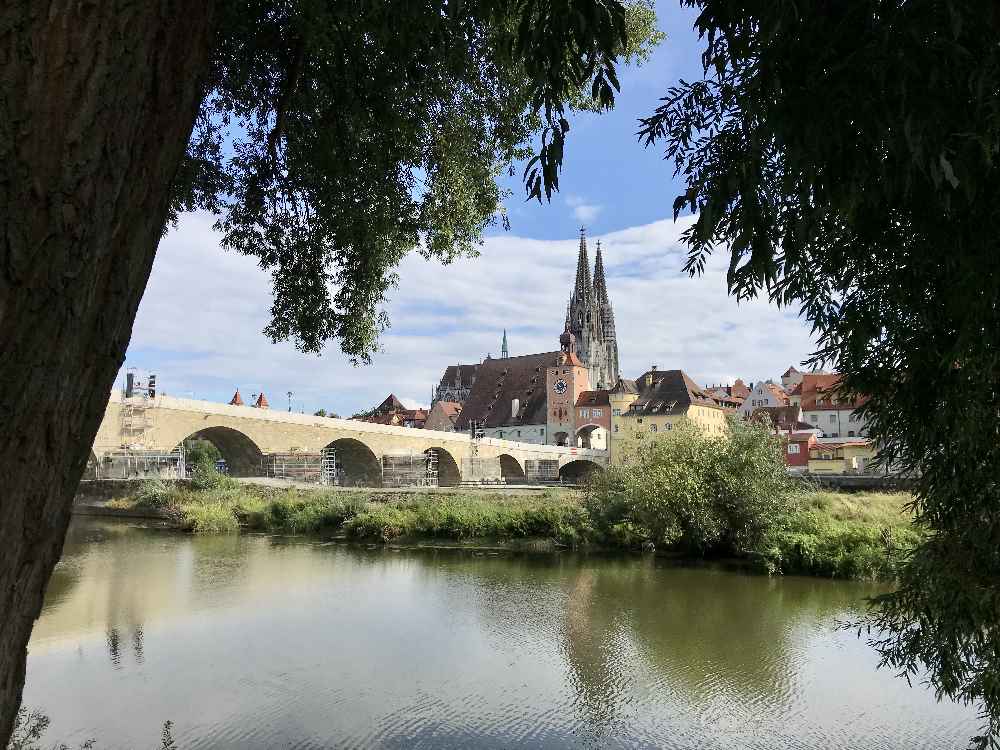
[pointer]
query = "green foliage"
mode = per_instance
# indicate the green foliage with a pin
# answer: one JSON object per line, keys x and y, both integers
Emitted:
{"x": 198, "y": 451}
{"x": 206, "y": 477}
{"x": 29, "y": 726}
{"x": 336, "y": 137}
{"x": 210, "y": 518}
{"x": 845, "y": 156}
{"x": 464, "y": 518}
{"x": 153, "y": 493}
{"x": 695, "y": 491}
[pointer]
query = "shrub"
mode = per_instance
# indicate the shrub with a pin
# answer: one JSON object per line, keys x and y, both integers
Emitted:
{"x": 205, "y": 476}
{"x": 153, "y": 493}
{"x": 694, "y": 491}
{"x": 210, "y": 518}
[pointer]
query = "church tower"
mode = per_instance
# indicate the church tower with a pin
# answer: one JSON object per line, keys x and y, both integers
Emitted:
{"x": 591, "y": 321}
{"x": 565, "y": 380}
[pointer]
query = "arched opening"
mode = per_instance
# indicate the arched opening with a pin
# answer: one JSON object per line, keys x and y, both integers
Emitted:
{"x": 241, "y": 454}
{"x": 93, "y": 467}
{"x": 355, "y": 464}
{"x": 592, "y": 436}
{"x": 561, "y": 438}
{"x": 578, "y": 471}
{"x": 448, "y": 473}
{"x": 511, "y": 470}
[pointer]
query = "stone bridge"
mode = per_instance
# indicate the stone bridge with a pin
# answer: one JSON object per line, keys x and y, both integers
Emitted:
{"x": 248, "y": 436}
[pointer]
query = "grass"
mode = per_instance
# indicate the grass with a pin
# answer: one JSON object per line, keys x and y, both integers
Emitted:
{"x": 833, "y": 534}
{"x": 844, "y": 535}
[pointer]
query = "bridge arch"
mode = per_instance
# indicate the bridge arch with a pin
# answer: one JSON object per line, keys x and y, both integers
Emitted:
{"x": 242, "y": 455}
{"x": 585, "y": 436}
{"x": 511, "y": 469}
{"x": 449, "y": 474}
{"x": 578, "y": 470}
{"x": 357, "y": 464}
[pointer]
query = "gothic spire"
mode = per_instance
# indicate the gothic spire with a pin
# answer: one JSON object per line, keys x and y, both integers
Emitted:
{"x": 503, "y": 347}
{"x": 582, "y": 289}
{"x": 600, "y": 285}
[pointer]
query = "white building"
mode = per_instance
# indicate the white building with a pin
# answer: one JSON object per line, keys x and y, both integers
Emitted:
{"x": 764, "y": 393}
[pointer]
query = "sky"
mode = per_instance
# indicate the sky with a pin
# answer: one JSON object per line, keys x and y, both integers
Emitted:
{"x": 200, "y": 323}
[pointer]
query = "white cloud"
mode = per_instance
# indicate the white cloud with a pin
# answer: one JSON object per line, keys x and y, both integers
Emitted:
{"x": 200, "y": 322}
{"x": 583, "y": 210}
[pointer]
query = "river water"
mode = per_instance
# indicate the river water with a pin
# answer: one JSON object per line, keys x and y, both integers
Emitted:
{"x": 263, "y": 641}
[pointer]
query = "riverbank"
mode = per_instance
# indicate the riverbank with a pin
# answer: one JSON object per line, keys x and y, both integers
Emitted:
{"x": 829, "y": 534}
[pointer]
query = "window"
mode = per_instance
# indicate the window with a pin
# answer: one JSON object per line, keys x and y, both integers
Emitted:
{"x": 793, "y": 448}
{"x": 597, "y": 413}
{"x": 541, "y": 430}
{"x": 669, "y": 426}
{"x": 813, "y": 418}
{"x": 500, "y": 434}
{"x": 652, "y": 427}
{"x": 616, "y": 412}
{"x": 833, "y": 419}
{"x": 585, "y": 413}
{"x": 850, "y": 433}
{"x": 616, "y": 428}
{"x": 519, "y": 433}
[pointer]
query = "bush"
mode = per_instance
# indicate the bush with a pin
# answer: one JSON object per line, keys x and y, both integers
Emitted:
{"x": 696, "y": 492}
{"x": 153, "y": 493}
{"x": 205, "y": 476}
{"x": 210, "y": 518}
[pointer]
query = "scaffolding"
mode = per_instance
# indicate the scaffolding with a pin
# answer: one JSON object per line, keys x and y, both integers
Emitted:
{"x": 330, "y": 473}
{"x": 410, "y": 469}
{"x": 137, "y": 463}
{"x": 136, "y": 411}
{"x": 298, "y": 467}
{"x": 542, "y": 470}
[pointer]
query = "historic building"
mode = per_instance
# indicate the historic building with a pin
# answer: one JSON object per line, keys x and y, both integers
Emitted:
{"x": 649, "y": 407}
{"x": 392, "y": 412}
{"x": 591, "y": 320}
{"x": 456, "y": 383}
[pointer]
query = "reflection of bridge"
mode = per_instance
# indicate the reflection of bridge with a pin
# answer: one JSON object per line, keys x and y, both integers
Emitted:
{"x": 246, "y": 436}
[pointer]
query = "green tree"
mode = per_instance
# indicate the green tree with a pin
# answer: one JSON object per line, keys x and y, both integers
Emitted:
{"x": 696, "y": 491}
{"x": 197, "y": 451}
{"x": 319, "y": 413}
{"x": 329, "y": 138}
{"x": 844, "y": 155}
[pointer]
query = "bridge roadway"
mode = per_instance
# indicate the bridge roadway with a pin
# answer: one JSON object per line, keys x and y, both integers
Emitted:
{"x": 245, "y": 435}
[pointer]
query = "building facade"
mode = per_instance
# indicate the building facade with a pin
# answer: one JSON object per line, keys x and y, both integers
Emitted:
{"x": 591, "y": 320}
{"x": 456, "y": 383}
{"x": 764, "y": 394}
{"x": 649, "y": 407}
{"x": 824, "y": 408}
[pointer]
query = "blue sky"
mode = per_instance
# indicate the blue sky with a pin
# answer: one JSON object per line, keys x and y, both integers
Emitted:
{"x": 200, "y": 322}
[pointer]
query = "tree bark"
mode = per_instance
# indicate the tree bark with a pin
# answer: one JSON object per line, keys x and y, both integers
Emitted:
{"x": 97, "y": 102}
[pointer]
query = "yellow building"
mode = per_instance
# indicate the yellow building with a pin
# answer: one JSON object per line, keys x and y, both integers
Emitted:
{"x": 841, "y": 457}
{"x": 648, "y": 408}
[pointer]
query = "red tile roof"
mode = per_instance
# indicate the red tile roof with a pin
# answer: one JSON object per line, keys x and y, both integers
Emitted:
{"x": 237, "y": 399}
{"x": 261, "y": 402}
{"x": 593, "y": 398}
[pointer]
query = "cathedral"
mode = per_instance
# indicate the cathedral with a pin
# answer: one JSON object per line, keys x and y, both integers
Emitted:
{"x": 591, "y": 320}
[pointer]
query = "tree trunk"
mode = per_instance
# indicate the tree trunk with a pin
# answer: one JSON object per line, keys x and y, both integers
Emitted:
{"x": 97, "y": 101}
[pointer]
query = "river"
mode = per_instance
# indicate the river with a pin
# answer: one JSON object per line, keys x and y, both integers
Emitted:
{"x": 262, "y": 641}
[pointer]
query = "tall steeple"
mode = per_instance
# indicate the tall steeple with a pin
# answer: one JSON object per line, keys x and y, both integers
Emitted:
{"x": 582, "y": 288}
{"x": 600, "y": 285}
{"x": 503, "y": 347}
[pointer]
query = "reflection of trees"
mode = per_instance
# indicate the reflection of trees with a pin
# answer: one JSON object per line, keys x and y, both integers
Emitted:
{"x": 628, "y": 625}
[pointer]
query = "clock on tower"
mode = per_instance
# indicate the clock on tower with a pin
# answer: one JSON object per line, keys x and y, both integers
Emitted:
{"x": 567, "y": 378}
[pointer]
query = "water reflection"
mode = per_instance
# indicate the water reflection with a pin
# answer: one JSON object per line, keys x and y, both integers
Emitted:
{"x": 264, "y": 641}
